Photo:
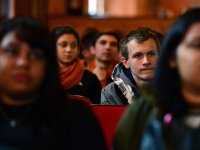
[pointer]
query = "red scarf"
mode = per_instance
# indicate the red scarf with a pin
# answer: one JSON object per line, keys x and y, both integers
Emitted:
{"x": 71, "y": 75}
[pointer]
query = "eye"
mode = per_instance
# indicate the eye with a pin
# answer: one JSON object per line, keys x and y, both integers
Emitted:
{"x": 194, "y": 45}
{"x": 151, "y": 53}
{"x": 37, "y": 54}
{"x": 103, "y": 42}
{"x": 11, "y": 50}
{"x": 113, "y": 44}
{"x": 62, "y": 44}
{"x": 137, "y": 55}
{"x": 74, "y": 45}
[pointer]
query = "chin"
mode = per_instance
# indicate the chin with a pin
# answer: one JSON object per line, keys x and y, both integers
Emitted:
{"x": 21, "y": 96}
{"x": 68, "y": 61}
{"x": 106, "y": 60}
{"x": 148, "y": 75}
{"x": 147, "y": 78}
{"x": 23, "y": 91}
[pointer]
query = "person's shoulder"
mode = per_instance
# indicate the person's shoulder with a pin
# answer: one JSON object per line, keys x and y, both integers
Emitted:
{"x": 91, "y": 80}
{"x": 142, "y": 107}
{"x": 108, "y": 95}
{"x": 133, "y": 123}
{"x": 109, "y": 87}
{"x": 77, "y": 107}
{"x": 89, "y": 74}
{"x": 142, "y": 104}
{"x": 77, "y": 127}
{"x": 75, "y": 112}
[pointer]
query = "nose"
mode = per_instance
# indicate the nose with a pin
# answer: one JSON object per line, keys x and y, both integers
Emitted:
{"x": 145, "y": 61}
{"x": 23, "y": 61}
{"x": 67, "y": 49}
{"x": 108, "y": 46}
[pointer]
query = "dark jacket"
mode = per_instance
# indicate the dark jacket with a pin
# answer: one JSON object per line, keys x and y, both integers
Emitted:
{"x": 122, "y": 89}
{"x": 89, "y": 87}
{"x": 132, "y": 126}
{"x": 75, "y": 128}
{"x": 145, "y": 128}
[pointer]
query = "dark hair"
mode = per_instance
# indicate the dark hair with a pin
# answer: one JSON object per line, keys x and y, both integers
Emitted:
{"x": 140, "y": 34}
{"x": 61, "y": 30}
{"x": 51, "y": 97}
{"x": 167, "y": 80}
{"x": 88, "y": 37}
{"x": 110, "y": 33}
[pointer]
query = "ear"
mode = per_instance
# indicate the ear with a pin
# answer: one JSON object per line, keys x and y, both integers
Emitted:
{"x": 172, "y": 63}
{"x": 78, "y": 52}
{"x": 125, "y": 62}
{"x": 119, "y": 56}
{"x": 92, "y": 51}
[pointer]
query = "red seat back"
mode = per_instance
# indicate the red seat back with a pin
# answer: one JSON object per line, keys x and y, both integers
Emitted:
{"x": 108, "y": 117}
{"x": 80, "y": 98}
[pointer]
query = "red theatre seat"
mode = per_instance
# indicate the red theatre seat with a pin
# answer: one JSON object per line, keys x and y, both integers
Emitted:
{"x": 79, "y": 98}
{"x": 108, "y": 117}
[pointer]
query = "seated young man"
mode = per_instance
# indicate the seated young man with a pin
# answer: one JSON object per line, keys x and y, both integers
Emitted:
{"x": 139, "y": 55}
{"x": 105, "y": 48}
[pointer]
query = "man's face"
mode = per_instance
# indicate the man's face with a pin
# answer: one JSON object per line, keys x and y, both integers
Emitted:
{"x": 141, "y": 60}
{"x": 106, "y": 48}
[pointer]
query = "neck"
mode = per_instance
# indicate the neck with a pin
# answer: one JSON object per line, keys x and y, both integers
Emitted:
{"x": 141, "y": 83}
{"x": 62, "y": 66}
{"x": 65, "y": 65}
{"x": 192, "y": 97}
{"x": 103, "y": 65}
{"x": 16, "y": 101}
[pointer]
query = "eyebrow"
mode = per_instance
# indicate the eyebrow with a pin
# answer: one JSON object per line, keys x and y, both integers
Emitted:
{"x": 150, "y": 50}
{"x": 11, "y": 43}
{"x": 194, "y": 39}
{"x": 102, "y": 40}
{"x": 65, "y": 41}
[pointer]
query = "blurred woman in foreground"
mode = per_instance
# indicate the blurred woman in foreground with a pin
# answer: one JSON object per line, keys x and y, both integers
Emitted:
{"x": 171, "y": 119}
{"x": 34, "y": 113}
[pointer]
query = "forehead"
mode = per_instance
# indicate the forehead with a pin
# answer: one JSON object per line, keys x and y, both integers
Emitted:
{"x": 143, "y": 47}
{"x": 9, "y": 37}
{"x": 109, "y": 38}
{"x": 193, "y": 32}
{"x": 67, "y": 37}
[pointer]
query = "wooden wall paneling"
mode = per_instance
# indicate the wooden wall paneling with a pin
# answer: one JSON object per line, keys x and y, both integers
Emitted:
{"x": 56, "y": 8}
{"x": 34, "y": 8}
{"x": 124, "y": 25}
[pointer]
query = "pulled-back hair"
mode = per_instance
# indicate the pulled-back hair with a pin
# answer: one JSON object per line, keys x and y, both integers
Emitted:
{"x": 61, "y": 30}
{"x": 140, "y": 35}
